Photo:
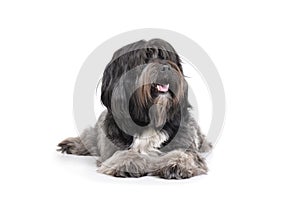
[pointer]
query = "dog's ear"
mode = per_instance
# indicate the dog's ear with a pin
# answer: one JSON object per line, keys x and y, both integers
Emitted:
{"x": 120, "y": 99}
{"x": 111, "y": 77}
{"x": 185, "y": 102}
{"x": 113, "y": 89}
{"x": 107, "y": 87}
{"x": 122, "y": 105}
{"x": 123, "y": 60}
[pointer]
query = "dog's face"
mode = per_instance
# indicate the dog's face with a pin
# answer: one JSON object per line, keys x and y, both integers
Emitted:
{"x": 161, "y": 93}
{"x": 161, "y": 78}
{"x": 153, "y": 94}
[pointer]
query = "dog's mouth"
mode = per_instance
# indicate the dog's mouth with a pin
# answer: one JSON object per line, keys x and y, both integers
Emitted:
{"x": 161, "y": 88}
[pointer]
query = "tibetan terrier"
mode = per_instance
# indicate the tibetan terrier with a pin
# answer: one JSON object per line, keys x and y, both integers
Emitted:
{"x": 147, "y": 128}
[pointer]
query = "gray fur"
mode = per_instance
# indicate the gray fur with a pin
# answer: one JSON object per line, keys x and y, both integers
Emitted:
{"x": 177, "y": 164}
{"x": 174, "y": 161}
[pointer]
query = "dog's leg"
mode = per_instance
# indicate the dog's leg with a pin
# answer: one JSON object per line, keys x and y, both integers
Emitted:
{"x": 84, "y": 145}
{"x": 179, "y": 164}
{"x": 125, "y": 163}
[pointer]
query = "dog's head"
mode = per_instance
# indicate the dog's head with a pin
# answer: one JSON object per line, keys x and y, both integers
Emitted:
{"x": 144, "y": 82}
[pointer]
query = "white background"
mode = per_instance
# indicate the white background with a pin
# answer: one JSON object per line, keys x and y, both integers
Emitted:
{"x": 255, "y": 46}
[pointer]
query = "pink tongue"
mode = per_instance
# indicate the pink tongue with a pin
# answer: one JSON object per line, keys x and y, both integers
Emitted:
{"x": 163, "y": 88}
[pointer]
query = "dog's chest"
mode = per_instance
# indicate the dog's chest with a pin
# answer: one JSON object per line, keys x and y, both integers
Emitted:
{"x": 149, "y": 141}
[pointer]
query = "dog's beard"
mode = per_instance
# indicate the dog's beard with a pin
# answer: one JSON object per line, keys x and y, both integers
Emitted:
{"x": 158, "y": 113}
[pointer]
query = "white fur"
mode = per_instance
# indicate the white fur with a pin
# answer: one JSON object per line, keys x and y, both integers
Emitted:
{"x": 149, "y": 141}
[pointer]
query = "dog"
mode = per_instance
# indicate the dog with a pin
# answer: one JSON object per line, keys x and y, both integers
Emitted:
{"x": 147, "y": 128}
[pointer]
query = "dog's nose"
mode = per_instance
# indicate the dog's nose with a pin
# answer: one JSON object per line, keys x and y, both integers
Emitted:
{"x": 165, "y": 68}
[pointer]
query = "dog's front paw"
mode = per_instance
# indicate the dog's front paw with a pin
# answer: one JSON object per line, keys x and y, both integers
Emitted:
{"x": 108, "y": 170}
{"x": 120, "y": 171}
{"x": 67, "y": 145}
{"x": 124, "y": 164}
{"x": 182, "y": 165}
{"x": 72, "y": 145}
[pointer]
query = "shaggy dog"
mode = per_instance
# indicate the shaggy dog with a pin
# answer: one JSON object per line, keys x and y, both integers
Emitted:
{"x": 147, "y": 128}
